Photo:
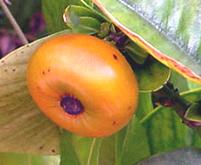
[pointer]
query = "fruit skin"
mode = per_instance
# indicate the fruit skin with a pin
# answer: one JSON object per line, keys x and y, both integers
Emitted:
{"x": 92, "y": 71}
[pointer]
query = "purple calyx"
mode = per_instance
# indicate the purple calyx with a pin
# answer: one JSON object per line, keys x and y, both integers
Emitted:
{"x": 71, "y": 105}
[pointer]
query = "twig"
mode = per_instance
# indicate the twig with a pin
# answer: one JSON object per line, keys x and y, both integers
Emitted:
{"x": 13, "y": 22}
{"x": 168, "y": 96}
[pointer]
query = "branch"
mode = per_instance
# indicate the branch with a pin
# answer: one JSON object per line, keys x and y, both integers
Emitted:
{"x": 168, "y": 96}
{"x": 13, "y": 22}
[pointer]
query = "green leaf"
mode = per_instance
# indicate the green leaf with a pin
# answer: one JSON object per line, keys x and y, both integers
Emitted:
{"x": 193, "y": 113}
{"x": 151, "y": 75}
{"x": 76, "y": 150}
{"x": 166, "y": 131}
{"x": 146, "y": 112}
{"x": 87, "y": 149}
{"x": 138, "y": 54}
{"x": 87, "y": 2}
{"x": 89, "y": 24}
{"x": 164, "y": 29}
{"x": 179, "y": 82}
{"x": 68, "y": 154}
{"x": 81, "y": 19}
{"x": 107, "y": 151}
{"x": 128, "y": 146}
{"x": 185, "y": 156}
{"x": 83, "y": 11}
{"x": 144, "y": 107}
{"x": 53, "y": 12}
{"x": 192, "y": 95}
{"x": 23, "y": 127}
{"x": 134, "y": 145}
{"x": 193, "y": 85}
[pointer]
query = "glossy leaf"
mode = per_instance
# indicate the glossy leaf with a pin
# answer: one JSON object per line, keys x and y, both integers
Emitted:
{"x": 193, "y": 85}
{"x": 179, "y": 82}
{"x": 125, "y": 147}
{"x": 193, "y": 114}
{"x": 136, "y": 53}
{"x": 162, "y": 28}
{"x": 23, "y": 127}
{"x": 76, "y": 150}
{"x": 68, "y": 154}
{"x": 186, "y": 156}
{"x": 87, "y": 149}
{"x": 166, "y": 131}
{"x": 133, "y": 145}
{"x": 145, "y": 108}
{"x": 108, "y": 151}
{"x": 81, "y": 20}
{"x": 54, "y": 15}
{"x": 53, "y": 12}
{"x": 192, "y": 96}
{"x": 151, "y": 75}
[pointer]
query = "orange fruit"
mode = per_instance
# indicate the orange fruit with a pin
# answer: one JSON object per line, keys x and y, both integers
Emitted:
{"x": 83, "y": 84}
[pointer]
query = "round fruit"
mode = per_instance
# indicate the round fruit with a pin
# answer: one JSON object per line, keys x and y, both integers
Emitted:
{"x": 83, "y": 84}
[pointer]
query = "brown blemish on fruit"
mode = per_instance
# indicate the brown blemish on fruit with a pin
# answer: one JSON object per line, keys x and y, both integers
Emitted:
{"x": 5, "y": 70}
{"x": 48, "y": 70}
{"x": 114, "y": 122}
{"x": 41, "y": 147}
{"x": 129, "y": 107}
{"x": 2, "y": 61}
{"x": 43, "y": 72}
{"x": 53, "y": 150}
{"x": 14, "y": 70}
{"x": 115, "y": 57}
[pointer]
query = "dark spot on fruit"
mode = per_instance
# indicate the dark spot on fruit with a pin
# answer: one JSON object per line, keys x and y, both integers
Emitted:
{"x": 2, "y": 61}
{"x": 41, "y": 147}
{"x": 71, "y": 105}
{"x": 43, "y": 72}
{"x": 115, "y": 57}
{"x": 114, "y": 122}
{"x": 129, "y": 107}
{"x": 14, "y": 70}
{"x": 48, "y": 70}
{"x": 22, "y": 52}
{"x": 53, "y": 150}
{"x": 5, "y": 70}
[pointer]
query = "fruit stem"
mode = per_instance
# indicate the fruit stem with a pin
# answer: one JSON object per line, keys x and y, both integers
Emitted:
{"x": 168, "y": 96}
